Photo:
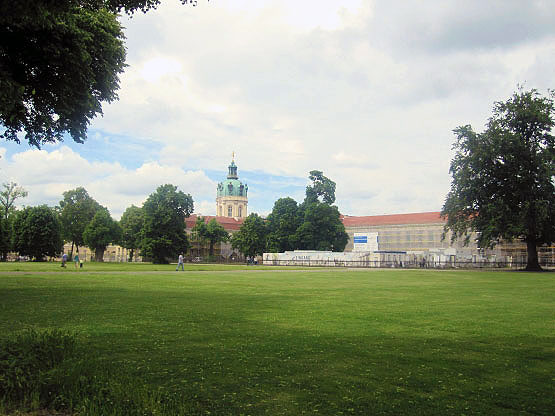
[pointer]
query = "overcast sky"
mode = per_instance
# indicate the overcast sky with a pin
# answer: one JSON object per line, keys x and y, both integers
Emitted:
{"x": 366, "y": 91}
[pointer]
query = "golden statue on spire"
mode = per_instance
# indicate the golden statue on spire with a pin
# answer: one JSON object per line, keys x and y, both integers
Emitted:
{"x": 233, "y": 156}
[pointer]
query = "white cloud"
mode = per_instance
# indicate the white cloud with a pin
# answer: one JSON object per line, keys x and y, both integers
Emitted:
{"x": 46, "y": 175}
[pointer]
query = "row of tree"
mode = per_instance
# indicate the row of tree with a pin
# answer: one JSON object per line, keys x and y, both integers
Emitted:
{"x": 157, "y": 228}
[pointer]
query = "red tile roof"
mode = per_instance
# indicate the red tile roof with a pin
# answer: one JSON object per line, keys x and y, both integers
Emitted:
{"x": 397, "y": 219}
{"x": 229, "y": 224}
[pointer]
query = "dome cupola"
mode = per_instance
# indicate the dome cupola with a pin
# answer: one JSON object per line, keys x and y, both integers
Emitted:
{"x": 231, "y": 197}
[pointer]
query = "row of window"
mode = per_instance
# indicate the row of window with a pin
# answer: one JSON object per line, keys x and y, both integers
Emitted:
{"x": 230, "y": 211}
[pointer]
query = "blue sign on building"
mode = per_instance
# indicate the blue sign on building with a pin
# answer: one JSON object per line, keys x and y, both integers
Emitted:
{"x": 360, "y": 239}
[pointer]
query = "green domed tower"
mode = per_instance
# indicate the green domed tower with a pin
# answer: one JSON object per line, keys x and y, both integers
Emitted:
{"x": 231, "y": 199}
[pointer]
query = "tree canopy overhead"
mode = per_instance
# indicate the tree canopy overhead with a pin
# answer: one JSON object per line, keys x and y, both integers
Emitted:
{"x": 59, "y": 61}
{"x": 503, "y": 178}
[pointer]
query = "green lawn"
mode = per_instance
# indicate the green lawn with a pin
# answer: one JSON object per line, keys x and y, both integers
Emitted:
{"x": 304, "y": 342}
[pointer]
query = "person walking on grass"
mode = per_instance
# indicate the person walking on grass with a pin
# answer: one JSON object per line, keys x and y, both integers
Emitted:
{"x": 180, "y": 263}
{"x": 76, "y": 260}
{"x": 64, "y": 260}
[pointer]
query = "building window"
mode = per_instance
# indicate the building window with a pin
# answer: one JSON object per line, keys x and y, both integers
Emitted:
{"x": 240, "y": 211}
{"x": 220, "y": 210}
{"x": 229, "y": 211}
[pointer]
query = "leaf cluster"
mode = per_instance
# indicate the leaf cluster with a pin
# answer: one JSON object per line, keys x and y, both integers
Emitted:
{"x": 58, "y": 62}
{"x": 322, "y": 187}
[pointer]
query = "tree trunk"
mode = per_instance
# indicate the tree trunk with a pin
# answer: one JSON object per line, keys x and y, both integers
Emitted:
{"x": 532, "y": 264}
{"x": 211, "y": 252}
{"x": 71, "y": 252}
{"x": 99, "y": 254}
{"x": 131, "y": 255}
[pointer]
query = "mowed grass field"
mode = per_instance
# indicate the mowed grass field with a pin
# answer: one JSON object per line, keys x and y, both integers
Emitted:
{"x": 235, "y": 340}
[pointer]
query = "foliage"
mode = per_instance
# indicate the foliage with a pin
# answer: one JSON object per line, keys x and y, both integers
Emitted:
{"x": 27, "y": 356}
{"x": 321, "y": 187}
{"x": 77, "y": 210}
{"x": 313, "y": 225}
{"x": 251, "y": 238}
{"x": 101, "y": 231}
{"x": 163, "y": 235}
{"x": 212, "y": 232}
{"x": 8, "y": 196}
{"x": 131, "y": 225}
{"x": 321, "y": 228}
{"x": 282, "y": 224}
{"x": 59, "y": 63}
{"x": 37, "y": 232}
{"x": 60, "y": 60}
{"x": 502, "y": 184}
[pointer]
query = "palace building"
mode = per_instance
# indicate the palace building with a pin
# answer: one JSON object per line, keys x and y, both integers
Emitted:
{"x": 410, "y": 238}
{"x": 232, "y": 199}
{"x": 378, "y": 239}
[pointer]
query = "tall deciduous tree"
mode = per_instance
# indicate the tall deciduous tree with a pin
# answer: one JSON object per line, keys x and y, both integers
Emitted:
{"x": 212, "y": 232}
{"x": 313, "y": 225}
{"x": 131, "y": 225}
{"x": 503, "y": 179}
{"x": 282, "y": 224}
{"x": 8, "y": 196}
{"x": 77, "y": 210}
{"x": 37, "y": 232}
{"x": 320, "y": 223}
{"x": 251, "y": 237}
{"x": 163, "y": 235}
{"x": 101, "y": 231}
{"x": 59, "y": 61}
